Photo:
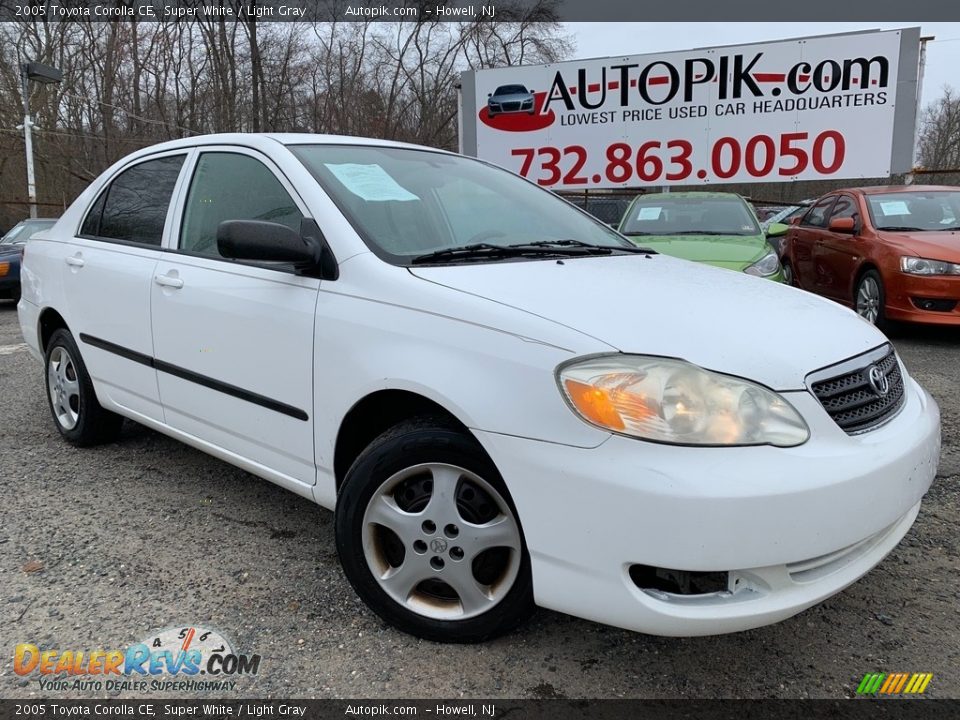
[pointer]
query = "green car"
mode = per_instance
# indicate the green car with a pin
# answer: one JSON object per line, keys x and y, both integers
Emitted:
{"x": 714, "y": 228}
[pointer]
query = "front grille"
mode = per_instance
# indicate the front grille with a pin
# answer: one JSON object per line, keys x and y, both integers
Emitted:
{"x": 512, "y": 106}
{"x": 850, "y": 398}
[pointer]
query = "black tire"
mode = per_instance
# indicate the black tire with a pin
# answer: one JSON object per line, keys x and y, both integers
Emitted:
{"x": 872, "y": 276}
{"x": 92, "y": 424}
{"x": 414, "y": 443}
{"x": 788, "y": 275}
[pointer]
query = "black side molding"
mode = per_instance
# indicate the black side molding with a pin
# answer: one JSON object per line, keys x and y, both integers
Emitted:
{"x": 190, "y": 376}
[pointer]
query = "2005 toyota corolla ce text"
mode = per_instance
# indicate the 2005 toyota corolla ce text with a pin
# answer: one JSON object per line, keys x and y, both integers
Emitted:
{"x": 507, "y": 403}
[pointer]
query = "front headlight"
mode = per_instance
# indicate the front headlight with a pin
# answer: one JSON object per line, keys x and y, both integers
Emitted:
{"x": 673, "y": 401}
{"x": 923, "y": 266}
{"x": 766, "y": 266}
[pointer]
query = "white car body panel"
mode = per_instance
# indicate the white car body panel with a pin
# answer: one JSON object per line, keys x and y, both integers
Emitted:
{"x": 483, "y": 341}
{"x": 646, "y": 311}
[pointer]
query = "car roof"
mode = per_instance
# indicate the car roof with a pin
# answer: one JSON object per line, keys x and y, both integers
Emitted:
{"x": 269, "y": 141}
{"x": 879, "y": 189}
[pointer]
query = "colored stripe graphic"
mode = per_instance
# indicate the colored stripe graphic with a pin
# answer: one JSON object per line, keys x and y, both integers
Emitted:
{"x": 894, "y": 683}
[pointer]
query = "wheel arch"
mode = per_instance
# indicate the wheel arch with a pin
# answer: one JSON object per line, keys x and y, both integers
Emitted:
{"x": 49, "y": 322}
{"x": 375, "y": 413}
{"x": 866, "y": 266}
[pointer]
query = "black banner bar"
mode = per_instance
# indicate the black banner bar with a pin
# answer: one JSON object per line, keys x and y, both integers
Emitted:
{"x": 478, "y": 10}
{"x": 152, "y": 709}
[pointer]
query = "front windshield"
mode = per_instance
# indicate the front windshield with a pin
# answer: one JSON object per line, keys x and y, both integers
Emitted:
{"x": 916, "y": 211}
{"x": 407, "y": 203}
{"x": 510, "y": 90}
{"x": 664, "y": 215}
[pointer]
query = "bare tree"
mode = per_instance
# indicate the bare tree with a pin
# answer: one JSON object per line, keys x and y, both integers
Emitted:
{"x": 939, "y": 141}
{"x": 129, "y": 84}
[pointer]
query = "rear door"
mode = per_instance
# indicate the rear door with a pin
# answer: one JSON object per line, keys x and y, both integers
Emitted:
{"x": 235, "y": 341}
{"x": 107, "y": 272}
{"x": 805, "y": 237}
{"x": 837, "y": 255}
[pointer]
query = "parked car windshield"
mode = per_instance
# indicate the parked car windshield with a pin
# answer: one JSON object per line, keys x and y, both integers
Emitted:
{"x": 916, "y": 210}
{"x": 663, "y": 215}
{"x": 406, "y": 203}
{"x": 22, "y": 231}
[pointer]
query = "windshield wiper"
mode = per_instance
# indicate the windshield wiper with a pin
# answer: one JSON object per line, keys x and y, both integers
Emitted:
{"x": 556, "y": 248}
{"x": 902, "y": 228}
{"x": 701, "y": 232}
{"x": 489, "y": 251}
{"x": 580, "y": 244}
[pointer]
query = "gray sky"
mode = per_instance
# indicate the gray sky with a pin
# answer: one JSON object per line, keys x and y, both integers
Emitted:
{"x": 603, "y": 39}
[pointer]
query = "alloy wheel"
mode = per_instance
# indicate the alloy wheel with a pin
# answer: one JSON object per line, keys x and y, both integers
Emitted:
{"x": 868, "y": 299}
{"x": 64, "y": 387}
{"x": 441, "y": 541}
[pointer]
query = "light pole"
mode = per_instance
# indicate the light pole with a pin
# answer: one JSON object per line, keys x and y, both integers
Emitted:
{"x": 42, "y": 74}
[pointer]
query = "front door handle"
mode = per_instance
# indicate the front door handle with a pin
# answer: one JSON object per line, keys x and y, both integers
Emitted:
{"x": 74, "y": 261}
{"x": 167, "y": 281}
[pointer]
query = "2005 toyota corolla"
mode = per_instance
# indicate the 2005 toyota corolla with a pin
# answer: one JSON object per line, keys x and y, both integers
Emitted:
{"x": 506, "y": 402}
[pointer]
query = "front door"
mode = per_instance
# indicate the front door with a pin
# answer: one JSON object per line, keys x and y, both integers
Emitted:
{"x": 234, "y": 341}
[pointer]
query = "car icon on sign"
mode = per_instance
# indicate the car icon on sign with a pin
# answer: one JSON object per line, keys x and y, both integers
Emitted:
{"x": 510, "y": 99}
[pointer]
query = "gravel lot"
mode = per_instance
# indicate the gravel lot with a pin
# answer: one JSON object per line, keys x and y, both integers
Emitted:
{"x": 99, "y": 547}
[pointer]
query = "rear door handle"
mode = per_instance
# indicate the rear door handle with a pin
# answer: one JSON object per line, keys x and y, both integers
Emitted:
{"x": 167, "y": 281}
{"x": 74, "y": 261}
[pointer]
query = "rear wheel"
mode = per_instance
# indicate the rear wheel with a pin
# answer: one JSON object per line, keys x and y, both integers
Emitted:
{"x": 73, "y": 402}
{"x": 429, "y": 538}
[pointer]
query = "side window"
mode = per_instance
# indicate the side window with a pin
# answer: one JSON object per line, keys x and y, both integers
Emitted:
{"x": 230, "y": 186}
{"x": 134, "y": 207}
{"x": 846, "y": 207}
{"x": 818, "y": 214}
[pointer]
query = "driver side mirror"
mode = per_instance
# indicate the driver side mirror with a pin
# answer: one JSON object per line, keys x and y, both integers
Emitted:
{"x": 846, "y": 225}
{"x": 262, "y": 241}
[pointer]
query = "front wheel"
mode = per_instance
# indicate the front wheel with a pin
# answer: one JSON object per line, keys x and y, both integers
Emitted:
{"x": 869, "y": 298}
{"x": 429, "y": 538}
{"x": 73, "y": 402}
{"x": 788, "y": 274}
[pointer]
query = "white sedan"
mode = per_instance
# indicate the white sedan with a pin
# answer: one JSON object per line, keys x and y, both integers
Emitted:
{"x": 506, "y": 403}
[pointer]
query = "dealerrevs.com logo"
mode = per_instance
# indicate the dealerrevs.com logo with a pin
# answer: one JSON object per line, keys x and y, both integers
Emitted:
{"x": 170, "y": 660}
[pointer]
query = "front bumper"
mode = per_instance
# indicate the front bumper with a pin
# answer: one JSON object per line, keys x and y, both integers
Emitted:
{"x": 791, "y": 526}
{"x": 907, "y": 296}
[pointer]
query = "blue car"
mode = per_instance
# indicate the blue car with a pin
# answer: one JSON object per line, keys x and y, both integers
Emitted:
{"x": 11, "y": 253}
{"x": 510, "y": 99}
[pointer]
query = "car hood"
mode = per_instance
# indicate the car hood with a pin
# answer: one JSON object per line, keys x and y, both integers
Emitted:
{"x": 657, "y": 305}
{"x": 932, "y": 245}
{"x": 727, "y": 250}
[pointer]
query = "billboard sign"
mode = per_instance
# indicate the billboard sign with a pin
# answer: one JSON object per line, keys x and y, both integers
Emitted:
{"x": 828, "y": 107}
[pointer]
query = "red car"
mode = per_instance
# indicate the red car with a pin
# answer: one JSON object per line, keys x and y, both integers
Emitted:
{"x": 891, "y": 253}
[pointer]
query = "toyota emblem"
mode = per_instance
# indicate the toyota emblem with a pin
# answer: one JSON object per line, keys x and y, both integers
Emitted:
{"x": 438, "y": 545}
{"x": 878, "y": 381}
